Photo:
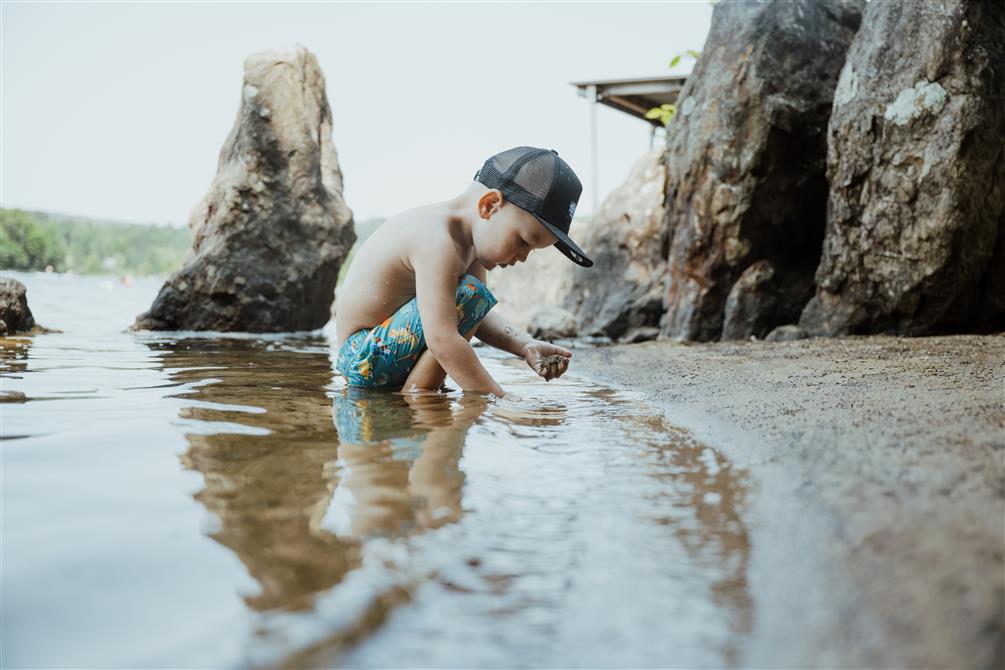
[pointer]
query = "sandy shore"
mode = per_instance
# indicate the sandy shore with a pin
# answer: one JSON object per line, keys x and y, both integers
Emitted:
{"x": 878, "y": 515}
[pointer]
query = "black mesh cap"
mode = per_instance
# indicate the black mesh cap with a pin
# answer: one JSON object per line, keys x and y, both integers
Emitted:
{"x": 543, "y": 184}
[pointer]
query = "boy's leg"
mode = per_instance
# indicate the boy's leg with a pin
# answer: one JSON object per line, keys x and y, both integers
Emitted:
{"x": 386, "y": 355}
{"x": 428, "y": 373}
{"x": 474, "y": 300}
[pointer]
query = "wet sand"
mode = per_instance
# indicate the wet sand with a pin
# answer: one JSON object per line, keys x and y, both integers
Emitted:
{"x": 878, "y": 515}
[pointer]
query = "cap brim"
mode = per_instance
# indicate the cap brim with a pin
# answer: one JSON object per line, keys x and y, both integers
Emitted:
{"x": 566, "y": 245}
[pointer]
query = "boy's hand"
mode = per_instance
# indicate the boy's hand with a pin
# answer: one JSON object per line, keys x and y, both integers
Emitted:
{"x": 546, "y": 359}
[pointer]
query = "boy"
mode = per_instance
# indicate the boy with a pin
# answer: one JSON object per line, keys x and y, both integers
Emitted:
{"x": 415, "y": 293}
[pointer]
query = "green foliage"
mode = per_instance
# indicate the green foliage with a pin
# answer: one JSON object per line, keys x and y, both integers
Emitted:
{"x": 689, "y": 52}
{"x": 94, "y": 247}
{"x": 24, "y": 245}
{"x": 345, "y": 266}
{"x": 666, "y": 112}
{"x": 364, "y": 229}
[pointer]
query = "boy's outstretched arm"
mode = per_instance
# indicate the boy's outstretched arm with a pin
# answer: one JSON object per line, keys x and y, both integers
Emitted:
{"x": 496, "y": 332}
{"x": 435, "y": 293}
{"x": 546, "y": 359}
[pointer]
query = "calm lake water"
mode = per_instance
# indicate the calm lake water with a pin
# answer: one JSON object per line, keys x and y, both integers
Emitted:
{"x": 192, "y": 500}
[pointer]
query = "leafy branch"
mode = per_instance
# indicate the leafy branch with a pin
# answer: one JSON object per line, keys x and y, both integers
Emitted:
{"x": 689, "y": 52}
{"x": 666, "y": 111}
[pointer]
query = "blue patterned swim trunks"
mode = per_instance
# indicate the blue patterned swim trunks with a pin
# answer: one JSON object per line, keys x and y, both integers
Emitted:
{"x": 384, "y": 355}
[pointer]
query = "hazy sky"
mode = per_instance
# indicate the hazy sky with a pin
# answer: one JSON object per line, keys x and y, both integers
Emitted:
{"x": 118, "y": 110}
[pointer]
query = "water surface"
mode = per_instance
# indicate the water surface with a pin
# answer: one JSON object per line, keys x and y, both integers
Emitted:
{"x": 184, "y": 500}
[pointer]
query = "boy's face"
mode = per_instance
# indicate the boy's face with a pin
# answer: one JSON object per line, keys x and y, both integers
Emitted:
{"x": 507, "y": 234}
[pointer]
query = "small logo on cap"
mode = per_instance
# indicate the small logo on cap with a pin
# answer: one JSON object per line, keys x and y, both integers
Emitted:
{"x": 572, "y": 209}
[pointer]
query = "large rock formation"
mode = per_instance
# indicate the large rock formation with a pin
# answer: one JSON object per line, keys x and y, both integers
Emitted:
{"x": 15, "y": 317}
{"x": 746, "y": 164}
{"x": 623, "y": 292}
{"x": 273, "y": 230}
{"x": 915, "y": 238}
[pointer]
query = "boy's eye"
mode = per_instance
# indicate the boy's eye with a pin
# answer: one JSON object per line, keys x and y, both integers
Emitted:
{"x": 524, "y": 243}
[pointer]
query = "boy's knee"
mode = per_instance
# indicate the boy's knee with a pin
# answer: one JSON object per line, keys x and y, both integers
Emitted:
{"x": 470, "y": 286}
{"x": 474, "y": 300}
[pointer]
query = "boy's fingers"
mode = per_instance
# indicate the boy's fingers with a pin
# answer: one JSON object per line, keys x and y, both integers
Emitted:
{"x": 552, "y": 366}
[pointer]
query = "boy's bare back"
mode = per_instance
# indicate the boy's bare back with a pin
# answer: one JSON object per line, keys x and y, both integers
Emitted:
{"x": 382, "y": 275}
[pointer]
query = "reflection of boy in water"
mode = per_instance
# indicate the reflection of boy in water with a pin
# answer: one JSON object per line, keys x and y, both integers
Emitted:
{"x": 401, "y": 457}
{"x": 415, "y": 293}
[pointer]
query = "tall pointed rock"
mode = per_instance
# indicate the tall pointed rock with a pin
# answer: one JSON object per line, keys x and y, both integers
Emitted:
{"x": 273, "y": 230}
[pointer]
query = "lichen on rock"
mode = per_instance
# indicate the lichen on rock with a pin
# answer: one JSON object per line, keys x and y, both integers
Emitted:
{"x": 923, "y": 97}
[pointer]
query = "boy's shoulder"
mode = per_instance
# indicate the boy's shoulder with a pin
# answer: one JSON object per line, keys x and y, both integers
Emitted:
{"x": 435, "y": 239}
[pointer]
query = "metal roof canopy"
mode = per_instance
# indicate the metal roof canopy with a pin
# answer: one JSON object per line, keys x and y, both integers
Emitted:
{"x": 631, "y": 96}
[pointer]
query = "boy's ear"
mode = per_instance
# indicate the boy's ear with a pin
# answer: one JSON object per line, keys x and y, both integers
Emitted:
{"x": 490, "y": 202}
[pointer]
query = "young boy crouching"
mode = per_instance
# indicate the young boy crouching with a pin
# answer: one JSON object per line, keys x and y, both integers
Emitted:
{"x": 415, "y": 293}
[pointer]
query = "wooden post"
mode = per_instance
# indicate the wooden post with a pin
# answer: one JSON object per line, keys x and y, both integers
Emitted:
{"x": 591, "y": 93}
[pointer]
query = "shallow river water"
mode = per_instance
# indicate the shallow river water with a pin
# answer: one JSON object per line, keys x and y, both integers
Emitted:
{"x": 193, "y": 500}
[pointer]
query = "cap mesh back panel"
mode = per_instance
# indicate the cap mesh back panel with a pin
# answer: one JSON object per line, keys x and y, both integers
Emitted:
{"x": 504, "y": 161}
{"x": 526, "y": 187}
{"x": 530, "y": 184}
{"x": 535, "y": 176}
